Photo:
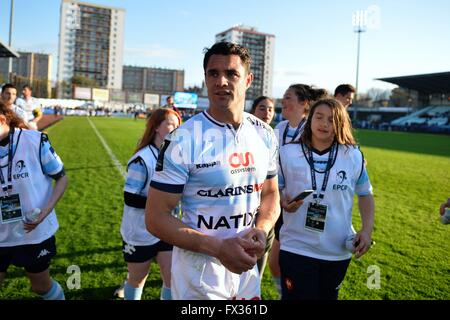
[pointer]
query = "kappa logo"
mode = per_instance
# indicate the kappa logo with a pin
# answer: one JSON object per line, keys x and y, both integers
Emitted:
{"x": 129, "y": 249}
{"x": 43, "y": 253}
{"x": 207, "y": 165}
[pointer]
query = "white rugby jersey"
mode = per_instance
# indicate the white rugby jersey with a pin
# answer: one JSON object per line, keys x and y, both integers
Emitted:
{"x": 21, "y": 113}
{"x": 347, "y": 177}
{"x": 34, "y": 162}
{"x": 219, "y": 170}
{"x": 285, "y": 133}
{"x": 141, "y": 167}
{"x": 28, "y": 106}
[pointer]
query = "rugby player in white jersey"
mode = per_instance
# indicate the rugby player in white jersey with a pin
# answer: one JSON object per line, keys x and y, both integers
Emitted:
{"x": 222, "y": 165}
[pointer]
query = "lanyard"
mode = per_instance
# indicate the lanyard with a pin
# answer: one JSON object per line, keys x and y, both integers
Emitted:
{"x": 297, "y": 131}
{"x": 331, "y": 159}
{"x": 7, "y": 187}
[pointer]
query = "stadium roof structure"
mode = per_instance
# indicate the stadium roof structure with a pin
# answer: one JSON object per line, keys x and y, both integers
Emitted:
{"x": 7, "y": 52}
{"x": 425, "y": 83}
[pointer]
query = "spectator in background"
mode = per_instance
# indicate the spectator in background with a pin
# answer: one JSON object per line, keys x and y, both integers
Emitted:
{"x": 345, "y": 93}
{"x": 8, "y": 97}
{"x": 264, "y": 109}
{"x": 31, "y": 106}
{"x": 171, "y": 105}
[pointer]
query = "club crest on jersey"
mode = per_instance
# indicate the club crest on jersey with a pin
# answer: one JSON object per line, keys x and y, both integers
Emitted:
{"x": 21, "y": 170}
{"x": 341, "y": 177}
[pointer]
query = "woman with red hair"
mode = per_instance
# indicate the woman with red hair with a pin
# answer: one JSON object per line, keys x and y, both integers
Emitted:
{"x": 140, "y": 246}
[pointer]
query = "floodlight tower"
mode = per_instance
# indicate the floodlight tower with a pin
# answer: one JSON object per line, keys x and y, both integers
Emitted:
{"x": 359, "y": 21}
{"x": 10, "y": 40}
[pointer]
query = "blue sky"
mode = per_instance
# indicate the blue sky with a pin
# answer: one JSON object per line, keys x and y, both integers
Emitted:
{"x": 315, "y": 42}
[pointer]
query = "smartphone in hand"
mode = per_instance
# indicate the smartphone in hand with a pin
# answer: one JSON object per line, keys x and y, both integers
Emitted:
{"x": 302, "y": 195}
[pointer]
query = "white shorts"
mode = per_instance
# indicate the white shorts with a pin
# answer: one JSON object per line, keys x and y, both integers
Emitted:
{"x": 198, "y": 276}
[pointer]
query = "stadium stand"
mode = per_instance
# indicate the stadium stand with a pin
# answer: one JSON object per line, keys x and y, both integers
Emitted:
{"x": 433, "y": 119}
{"x": 433, "y": 91}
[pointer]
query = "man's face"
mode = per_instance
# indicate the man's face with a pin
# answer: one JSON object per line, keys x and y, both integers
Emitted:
{"x": 227, "y": 80}
{"x": 9, "y": 95}
{"x": 26, "y": 92}
{"x": 170, "y": 101}
{"x": 347, "y": 99}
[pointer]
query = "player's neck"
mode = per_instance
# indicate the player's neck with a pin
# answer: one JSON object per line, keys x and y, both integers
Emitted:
{"x": 321, "y": 144}
{"x": 233, "y": 117}
{"x": 293, "y": 123}
{"x": 157, "y": 141}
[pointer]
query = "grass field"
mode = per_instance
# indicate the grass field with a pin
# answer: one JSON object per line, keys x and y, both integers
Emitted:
{"x": 410, "y": 174}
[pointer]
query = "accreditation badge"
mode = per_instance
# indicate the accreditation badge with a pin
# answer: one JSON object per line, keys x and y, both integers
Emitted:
{"x": 11, "y": 210}
{"x": 316, "y": 216}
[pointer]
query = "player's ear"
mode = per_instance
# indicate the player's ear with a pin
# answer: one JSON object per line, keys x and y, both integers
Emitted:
{"x": 249, "y": 80}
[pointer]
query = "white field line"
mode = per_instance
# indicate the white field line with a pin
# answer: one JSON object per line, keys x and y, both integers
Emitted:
{"x": 114, "y": 159}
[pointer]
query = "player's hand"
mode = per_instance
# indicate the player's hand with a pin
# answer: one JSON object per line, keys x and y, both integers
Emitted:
{"x": 258, "y": 238}
{"x": 233, "y": 255}
{"x": 30, "y": 226}
{"x": 362, "y": 243}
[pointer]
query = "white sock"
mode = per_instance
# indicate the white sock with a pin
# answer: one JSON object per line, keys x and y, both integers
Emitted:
{"x": 55, "y": 292}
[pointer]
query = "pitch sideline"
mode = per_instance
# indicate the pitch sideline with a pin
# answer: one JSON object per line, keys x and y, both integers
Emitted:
{"x": 111, "y": 154}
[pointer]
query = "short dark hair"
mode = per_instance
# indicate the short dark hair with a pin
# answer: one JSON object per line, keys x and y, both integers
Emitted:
{"x": 226, "y": 49}
{"x": 7, "y": 86}
{"x": 305, "y": 92}
{"x": 257, "y": 101}
{"x": 27, "y": 86}
{"x": 343, "y": 89}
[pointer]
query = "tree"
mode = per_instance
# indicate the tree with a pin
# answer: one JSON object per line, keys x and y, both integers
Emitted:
{"x": 377, "y": 94}
{"x": 399, "y": 97}
{"x": 82, "y": 81}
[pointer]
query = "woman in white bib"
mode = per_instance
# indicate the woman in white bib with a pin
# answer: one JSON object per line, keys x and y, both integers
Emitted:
{"x": 139, "y": 245}
{"x": 29, "y": 165}
{"x": 317, "y": 237}
{"x": 296, "y": 102}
